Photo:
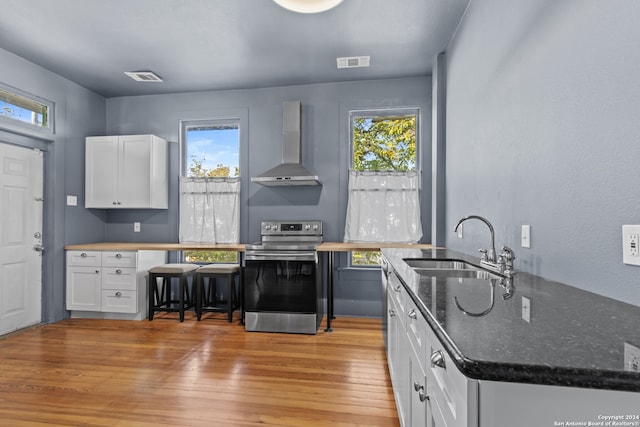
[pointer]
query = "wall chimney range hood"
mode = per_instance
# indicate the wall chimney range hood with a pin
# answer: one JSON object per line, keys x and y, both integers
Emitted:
{"x": 290, "y": 172}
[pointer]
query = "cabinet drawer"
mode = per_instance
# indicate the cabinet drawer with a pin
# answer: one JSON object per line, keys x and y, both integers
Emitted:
{"x": 448, "y": 387}
{"x": 116, "y": 301}
{"x": 84, "y": 258}
{"x": 119, "y": 259}
{"x": 417, "y": 326}
{"x": 119, "y": 278}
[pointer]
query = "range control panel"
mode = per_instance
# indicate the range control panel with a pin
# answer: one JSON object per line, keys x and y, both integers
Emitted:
{"x": 287, "y": 228}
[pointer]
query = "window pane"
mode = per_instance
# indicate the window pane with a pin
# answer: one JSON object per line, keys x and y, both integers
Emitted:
{"x": 213, "y": 150}
{"x": 384, "y": 143}
{"x": 205, "y": 257}
{"x": 365, "y": 258}
{"x": 23, "y": 109}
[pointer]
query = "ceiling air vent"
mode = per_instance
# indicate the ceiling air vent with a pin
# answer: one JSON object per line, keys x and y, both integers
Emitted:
{"x": 353, "y": 61}
{"x": 143, "y": 76}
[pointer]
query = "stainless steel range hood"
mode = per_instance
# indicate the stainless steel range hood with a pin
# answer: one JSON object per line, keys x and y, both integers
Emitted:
{"x": 290, "y": 172}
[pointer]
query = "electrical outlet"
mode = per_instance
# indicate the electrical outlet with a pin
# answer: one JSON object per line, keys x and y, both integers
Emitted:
{"x": 631, "y": 357}
{"x": 631, "y": 244}
{"x": 526, "y": 309}
{"x": 525, "y": 238}
{"x": 136, "y": 227}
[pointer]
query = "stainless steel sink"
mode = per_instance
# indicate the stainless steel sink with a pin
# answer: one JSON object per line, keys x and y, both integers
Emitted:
{"x": 459, "y": 274}
{"x": 448, "y": 269}
{"x": 439, "y": 264}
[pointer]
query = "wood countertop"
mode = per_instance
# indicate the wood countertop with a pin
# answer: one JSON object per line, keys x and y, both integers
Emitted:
{"x": 119, "y": 246}
{"x": 239, "y": 247}
{"x": 367, "y": 246}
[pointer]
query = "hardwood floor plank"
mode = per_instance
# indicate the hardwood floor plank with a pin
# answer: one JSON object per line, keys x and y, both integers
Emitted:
{"x": 87, "y": 372}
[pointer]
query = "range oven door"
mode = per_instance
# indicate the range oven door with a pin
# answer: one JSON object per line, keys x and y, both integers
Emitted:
{"x": 282, "y": 292}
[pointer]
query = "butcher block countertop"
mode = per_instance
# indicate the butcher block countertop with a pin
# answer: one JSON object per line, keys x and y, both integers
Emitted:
{"x": 239, "y": 247}
{"x": 118, "y": 246}
{"x": 361, "y": 246}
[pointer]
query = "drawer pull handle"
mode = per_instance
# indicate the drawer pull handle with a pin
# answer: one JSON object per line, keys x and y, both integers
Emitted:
{"x": 118, "y": 256}
{"x": 97, "y": 271}
{"x": 423, "y": 396}
{"x": 412, "y": 314}
{"x": 118, "y": 271}
{"x": 437, "y": 359}
{"x": 118, "y": 294}
{"x": 83, "y": 255}
{"x": 417, "y": 386}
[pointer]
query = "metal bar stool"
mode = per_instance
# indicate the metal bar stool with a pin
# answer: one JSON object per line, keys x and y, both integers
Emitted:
{"x": 161, "y": 299}
{"x": 207, "y": 297}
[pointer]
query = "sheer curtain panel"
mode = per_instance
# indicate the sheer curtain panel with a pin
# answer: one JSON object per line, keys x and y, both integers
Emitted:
{"x": 209, "y": 210}
{"x": 383, "y": 207}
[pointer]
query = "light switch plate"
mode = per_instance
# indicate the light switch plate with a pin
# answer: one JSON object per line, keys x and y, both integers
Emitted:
{"x": 72, "y": 200}
{"x": 136, "y": 227}
{"x": 630, "y": 242}
{"x": 631, "y": 357}
{"x": 526, "y": 236}
{"x": 526, "y": 309}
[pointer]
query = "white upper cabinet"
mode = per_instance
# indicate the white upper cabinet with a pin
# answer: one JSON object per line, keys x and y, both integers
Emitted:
{"x": 126, "y": 171}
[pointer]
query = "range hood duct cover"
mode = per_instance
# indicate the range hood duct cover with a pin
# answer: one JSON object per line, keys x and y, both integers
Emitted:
{"x": 290, "y": 172}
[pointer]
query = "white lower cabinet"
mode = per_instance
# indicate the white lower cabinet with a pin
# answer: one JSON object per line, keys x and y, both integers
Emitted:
{"x": 109, "y": 284}
{"x": 429, "y": 389}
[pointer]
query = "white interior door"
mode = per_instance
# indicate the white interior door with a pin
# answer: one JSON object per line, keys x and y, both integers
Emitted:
{"x": 21, "y": 182}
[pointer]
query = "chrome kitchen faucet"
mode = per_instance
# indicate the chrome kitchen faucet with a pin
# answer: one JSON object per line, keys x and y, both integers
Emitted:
{"x": 504, "y": 262}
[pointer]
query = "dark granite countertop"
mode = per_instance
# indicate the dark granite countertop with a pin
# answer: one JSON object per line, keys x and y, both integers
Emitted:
{"x": 575, "y": 338}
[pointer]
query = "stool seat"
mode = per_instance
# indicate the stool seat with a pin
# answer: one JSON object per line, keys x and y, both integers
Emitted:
{"x": 219, "y": 269}
{"x": 207, "y": 298}
{"x": 173, "y": 268}
{"x": 162, "y": 299}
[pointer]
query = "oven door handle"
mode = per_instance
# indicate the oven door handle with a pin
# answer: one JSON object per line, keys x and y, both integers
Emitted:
{"x": 279, "y": 256}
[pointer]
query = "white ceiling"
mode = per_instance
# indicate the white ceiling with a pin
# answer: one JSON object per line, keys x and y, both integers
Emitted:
{"x": 196, "y": 45}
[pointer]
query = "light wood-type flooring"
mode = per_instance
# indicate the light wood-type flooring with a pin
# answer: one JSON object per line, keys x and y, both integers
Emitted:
{"x": 83, "y": 372}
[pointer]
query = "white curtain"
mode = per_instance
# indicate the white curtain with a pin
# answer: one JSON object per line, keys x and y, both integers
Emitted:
{"x": 383, "y": 207}
{"x": 209, "y": 210}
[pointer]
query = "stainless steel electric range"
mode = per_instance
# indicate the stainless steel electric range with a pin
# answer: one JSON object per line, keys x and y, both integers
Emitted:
{"x": 283, "y": 279}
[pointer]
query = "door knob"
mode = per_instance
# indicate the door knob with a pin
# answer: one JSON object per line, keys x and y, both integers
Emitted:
{"x": 39, "y": 248}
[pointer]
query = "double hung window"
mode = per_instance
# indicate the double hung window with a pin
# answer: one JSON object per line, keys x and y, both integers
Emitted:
{"x": 210, "y": 187}
{"x": 384, "y": 180}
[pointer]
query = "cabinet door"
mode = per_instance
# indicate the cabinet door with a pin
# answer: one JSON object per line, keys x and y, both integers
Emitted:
{"x": 101, "y": 172}
{"x": 418, "y": 405}
{"x": 83, "y": 288}
{"x": 134, "y": 180}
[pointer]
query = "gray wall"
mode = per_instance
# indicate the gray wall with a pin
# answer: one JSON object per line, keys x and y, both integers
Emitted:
{"x": 543, "y": 106}
{"x": 325, "y": 151}
{"x": 78, "y": 112}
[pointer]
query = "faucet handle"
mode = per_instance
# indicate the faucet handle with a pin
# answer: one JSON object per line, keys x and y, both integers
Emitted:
{"x": 483, "y": 257}
{"x": 507, "y": 253}
{"x": 508, "y": 256}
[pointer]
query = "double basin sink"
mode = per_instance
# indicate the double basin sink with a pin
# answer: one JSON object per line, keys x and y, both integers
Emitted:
{"x": 448, "y": 268}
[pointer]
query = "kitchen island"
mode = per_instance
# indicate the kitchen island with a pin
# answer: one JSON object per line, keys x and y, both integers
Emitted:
{"x": 529, "y": 352}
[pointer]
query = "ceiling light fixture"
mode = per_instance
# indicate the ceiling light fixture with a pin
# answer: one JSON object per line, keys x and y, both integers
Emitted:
{"x": 308, "y": 6}
{"x": 144, "y": 76}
